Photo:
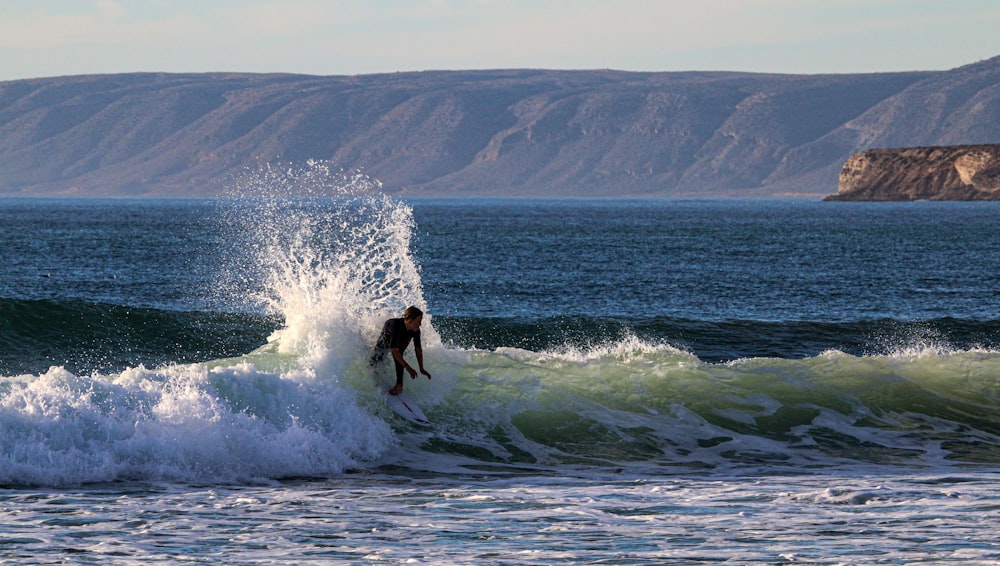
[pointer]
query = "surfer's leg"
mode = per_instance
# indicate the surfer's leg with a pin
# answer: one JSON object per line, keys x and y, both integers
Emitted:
{"x": 398, "y": 388}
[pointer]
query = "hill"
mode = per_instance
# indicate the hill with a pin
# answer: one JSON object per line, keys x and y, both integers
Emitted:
{"x": 503, "y": 132}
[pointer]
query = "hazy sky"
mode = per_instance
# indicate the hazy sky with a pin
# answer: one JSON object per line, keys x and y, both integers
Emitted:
{"x": 40, "y": 38}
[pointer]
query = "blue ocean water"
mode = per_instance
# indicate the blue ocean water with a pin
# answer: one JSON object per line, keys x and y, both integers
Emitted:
{"x": 615, "y": 381}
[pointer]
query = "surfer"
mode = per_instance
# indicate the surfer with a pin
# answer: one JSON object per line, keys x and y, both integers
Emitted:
{"x": 396, "y": 336}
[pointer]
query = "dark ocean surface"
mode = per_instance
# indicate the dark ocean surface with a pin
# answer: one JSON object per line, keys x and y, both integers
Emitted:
{"x": 109, "y": 283}
{"x": 617, "y": 381}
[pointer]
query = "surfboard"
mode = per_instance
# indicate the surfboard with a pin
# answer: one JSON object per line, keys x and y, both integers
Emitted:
{"x": 404, "y": 406}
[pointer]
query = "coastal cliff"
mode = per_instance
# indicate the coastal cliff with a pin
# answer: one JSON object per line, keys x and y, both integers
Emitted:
{"x": 961, "y": 172}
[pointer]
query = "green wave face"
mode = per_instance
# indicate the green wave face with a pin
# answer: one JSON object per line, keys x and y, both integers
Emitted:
{"x": 635, "y": 404}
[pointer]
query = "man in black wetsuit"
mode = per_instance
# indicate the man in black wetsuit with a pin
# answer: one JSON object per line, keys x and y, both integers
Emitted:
{"x": 395, "y": 337}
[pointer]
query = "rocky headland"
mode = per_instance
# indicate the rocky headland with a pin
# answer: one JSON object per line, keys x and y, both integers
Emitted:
{"x": 964, "y": 172}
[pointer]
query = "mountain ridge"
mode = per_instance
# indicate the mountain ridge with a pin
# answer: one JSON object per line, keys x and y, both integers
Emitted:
{"x": 525, "y": 132}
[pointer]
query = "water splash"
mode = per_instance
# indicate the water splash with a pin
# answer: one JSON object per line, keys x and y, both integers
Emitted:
{"x": 323, "y": 249}
{"x": 328, "y": 251}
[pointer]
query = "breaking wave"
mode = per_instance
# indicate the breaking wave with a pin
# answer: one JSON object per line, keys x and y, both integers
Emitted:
{"x": 282, "y": 388}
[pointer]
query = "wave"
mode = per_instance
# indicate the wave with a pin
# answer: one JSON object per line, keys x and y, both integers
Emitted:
{"x": 719, "y": 341}
{"x": 629, "y": 405}
{"x": 639, "y": 405}
{"x": 323, "y": 251}
{"x": 85, "y": 336}
{"x": 205, "y": 404}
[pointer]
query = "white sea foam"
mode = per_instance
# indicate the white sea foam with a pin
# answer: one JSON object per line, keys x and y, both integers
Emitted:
{"x": 182, "y": 423}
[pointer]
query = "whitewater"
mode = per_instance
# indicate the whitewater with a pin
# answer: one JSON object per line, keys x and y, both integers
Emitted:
{"x": 236, "y": 419}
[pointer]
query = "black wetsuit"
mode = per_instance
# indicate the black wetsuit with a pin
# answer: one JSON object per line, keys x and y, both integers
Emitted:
{"x": 395, "y": 335}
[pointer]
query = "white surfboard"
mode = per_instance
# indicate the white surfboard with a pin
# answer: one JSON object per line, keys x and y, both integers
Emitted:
{"x": 404, "y": 406}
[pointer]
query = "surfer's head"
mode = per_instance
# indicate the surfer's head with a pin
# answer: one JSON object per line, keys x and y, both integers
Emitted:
{"x": 412, "y": 317}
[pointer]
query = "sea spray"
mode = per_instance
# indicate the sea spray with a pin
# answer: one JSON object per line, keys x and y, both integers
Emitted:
{"x": 330, "y": 253}
{"x": 327, "y": 253}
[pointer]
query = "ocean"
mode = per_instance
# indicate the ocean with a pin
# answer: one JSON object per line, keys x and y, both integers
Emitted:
{"x": 615, "y": 381}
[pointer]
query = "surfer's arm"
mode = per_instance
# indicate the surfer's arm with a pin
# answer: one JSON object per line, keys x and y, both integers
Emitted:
{"x": 420, "y": 361}
{"x": 398, "y": 356}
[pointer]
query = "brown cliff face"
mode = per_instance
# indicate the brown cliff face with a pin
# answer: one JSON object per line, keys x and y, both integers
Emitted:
{"x": 961, "y": 172}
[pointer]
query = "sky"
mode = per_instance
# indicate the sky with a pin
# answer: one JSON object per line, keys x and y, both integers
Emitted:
{"x": 44, "y": 38}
